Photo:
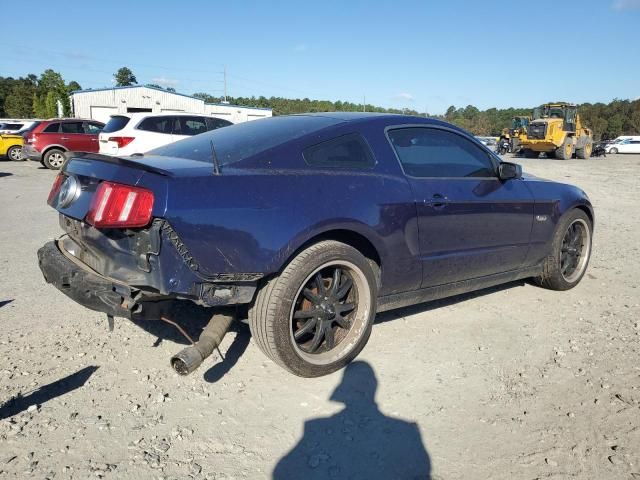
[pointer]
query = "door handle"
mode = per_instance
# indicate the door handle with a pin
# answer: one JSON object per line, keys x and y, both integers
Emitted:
{"x": 438, "y": 201}
{"x": 64, "y": 138}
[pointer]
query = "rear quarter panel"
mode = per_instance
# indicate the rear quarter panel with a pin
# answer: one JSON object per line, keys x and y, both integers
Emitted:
{"x": 255, "y": 219}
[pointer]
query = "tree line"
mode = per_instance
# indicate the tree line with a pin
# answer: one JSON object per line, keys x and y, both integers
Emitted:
{"x": 39, "y": 97}
{"x": 35, "y": 96}
{"x": 619, "y": 117}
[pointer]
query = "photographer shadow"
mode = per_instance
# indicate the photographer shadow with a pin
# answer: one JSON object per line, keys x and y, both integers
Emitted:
{"x": 359, "y": 442}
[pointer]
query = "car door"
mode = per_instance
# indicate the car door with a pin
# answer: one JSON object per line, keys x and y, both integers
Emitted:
{"x": 92, "y": 131}
{"x": 470, "y": 223}
{"x": 153, "y": 132}
{"x": 73, "y": 136}
{"x": 634, "y": 146}
{"x": 624, "y": 146}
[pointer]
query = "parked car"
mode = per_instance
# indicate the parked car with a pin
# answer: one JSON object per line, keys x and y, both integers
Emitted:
{"x": 630, "y": 144}
{"x": 28, "y": 128}
{"x": 309, "y": 225}
{"x": 10, "y": 127}
{"x": 11, "y": 146}
{"x": 126, "y": 134}
{"x": 48, "y": 142}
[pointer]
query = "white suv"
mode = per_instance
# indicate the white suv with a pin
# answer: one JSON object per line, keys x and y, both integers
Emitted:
{"x": 129, "y": 133}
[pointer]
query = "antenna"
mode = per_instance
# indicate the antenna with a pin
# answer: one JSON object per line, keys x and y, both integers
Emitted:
{"x": 214, "y": 158}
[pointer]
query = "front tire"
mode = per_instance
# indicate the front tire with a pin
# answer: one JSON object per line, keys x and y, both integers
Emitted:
{"x": 316, "y": 316}
{"x": 53, "y": 159}
{"x": 565, "y": 151}
{"x": 613, "y": 150}
{"x": 570, "y": 252}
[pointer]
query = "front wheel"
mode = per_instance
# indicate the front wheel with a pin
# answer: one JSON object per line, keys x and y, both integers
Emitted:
{"x": 613, "y": 150}
{"x": 570, "y": 252}
{"x": 565, "y": 151}
{"x": 317, "y": 315}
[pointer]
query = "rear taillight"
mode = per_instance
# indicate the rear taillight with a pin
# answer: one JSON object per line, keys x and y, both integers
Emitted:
{"x": 122, "y": 141}
{"x": 30, "y": 138}
{"x": 120, "y": 206}
{"x": 55, "y": 188}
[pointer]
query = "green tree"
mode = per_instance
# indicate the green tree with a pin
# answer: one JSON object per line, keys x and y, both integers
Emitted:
{"x": 19, "y": 101}
{"x": 124, "y": 77}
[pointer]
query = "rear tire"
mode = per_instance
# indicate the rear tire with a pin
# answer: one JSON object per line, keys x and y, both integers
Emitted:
{"x": 283, "y": 326}
{"x": 569, "y": 257}
{"x": 15, "y": 153}
{"x": 585, "y": 152}
{"x": 565, "y": 151}
{"x": 54, "y": 159}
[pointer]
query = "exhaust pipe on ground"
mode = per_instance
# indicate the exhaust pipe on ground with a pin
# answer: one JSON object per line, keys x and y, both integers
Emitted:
{"x": 191, "y": 357}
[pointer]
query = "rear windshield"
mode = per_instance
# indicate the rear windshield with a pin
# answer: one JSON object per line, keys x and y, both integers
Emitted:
{"x": 243, "y": 140}
{"x": 116, "y": 123}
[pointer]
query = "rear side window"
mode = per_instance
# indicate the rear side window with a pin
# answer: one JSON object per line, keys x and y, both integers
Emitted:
{"x": 92, "y": 128}
{"x": 52, "y": 128}
{"x": 72, "y": 127}
{"x": 213, "y": 123}
{"x": 190, "y": 126}
{"x": 347, "y": 151}
{"x": 432, "y": 152}
{"x": 115, "y": 123}
{"x": 157, "y": 124}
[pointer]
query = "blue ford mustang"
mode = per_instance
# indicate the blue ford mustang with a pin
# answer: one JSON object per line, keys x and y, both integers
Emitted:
{"x": 309, "y": 225}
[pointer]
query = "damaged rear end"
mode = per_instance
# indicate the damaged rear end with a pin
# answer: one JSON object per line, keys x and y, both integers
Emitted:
{"x": 119, "y": 254}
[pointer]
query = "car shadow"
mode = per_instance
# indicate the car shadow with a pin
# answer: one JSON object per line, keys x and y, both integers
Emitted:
{"x": 47, "y": 392}
{"x": 5, "y": 302}
{"x": 396, "y": 314}
{"x": 359, "y": 441}
{"x": 5, "y": 174}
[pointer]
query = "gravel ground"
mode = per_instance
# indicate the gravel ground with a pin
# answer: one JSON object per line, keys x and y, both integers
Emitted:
{"x": 514, "y": 382}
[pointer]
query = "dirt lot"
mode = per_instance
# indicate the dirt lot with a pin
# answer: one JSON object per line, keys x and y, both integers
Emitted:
{"x": 511, "y": 383}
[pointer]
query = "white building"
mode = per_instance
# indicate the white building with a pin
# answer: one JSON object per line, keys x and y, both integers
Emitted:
{"x": 100, "y": 104}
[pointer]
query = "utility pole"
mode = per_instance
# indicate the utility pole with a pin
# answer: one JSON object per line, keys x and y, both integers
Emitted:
{"x": 225, "y": 83}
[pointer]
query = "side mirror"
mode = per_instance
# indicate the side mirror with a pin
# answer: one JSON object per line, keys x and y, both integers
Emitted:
{"x": 507, "y": 171}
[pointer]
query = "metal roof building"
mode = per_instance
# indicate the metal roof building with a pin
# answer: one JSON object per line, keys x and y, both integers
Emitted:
{"x": 100, "y": 104}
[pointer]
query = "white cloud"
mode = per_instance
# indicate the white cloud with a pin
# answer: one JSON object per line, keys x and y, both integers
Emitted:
{"x": 626, "y": 5}
{"x": 403, "y": 97}
{"x": 165, "y": 82}
{"x": 301, "y": 47}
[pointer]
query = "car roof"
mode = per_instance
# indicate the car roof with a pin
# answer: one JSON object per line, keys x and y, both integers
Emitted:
{"x": 139, "y": 115}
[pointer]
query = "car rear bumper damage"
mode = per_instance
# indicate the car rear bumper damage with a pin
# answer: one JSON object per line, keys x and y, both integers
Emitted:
{"x": 84, "y": 286}
{"x": 139, "y": 283}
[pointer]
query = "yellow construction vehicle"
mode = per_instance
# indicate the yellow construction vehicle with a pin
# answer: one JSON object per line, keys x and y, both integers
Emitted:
{"x": 556, "y": 130}
{"x": 516, "y": 133}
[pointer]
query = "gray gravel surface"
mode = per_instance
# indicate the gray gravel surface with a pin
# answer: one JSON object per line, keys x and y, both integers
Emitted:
{"x": 510, "y": 383}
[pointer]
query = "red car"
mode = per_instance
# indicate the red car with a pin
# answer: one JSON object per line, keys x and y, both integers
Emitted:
{"x": 48, "y": 142}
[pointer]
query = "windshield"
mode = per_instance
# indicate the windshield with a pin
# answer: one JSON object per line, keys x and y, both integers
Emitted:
{"x": 548, "y": 112}
{"x": 519, "y": 122}
{"x": 243, "y": 140}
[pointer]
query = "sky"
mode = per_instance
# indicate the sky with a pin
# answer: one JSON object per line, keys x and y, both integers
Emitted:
{"x": 421, "y": 55}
